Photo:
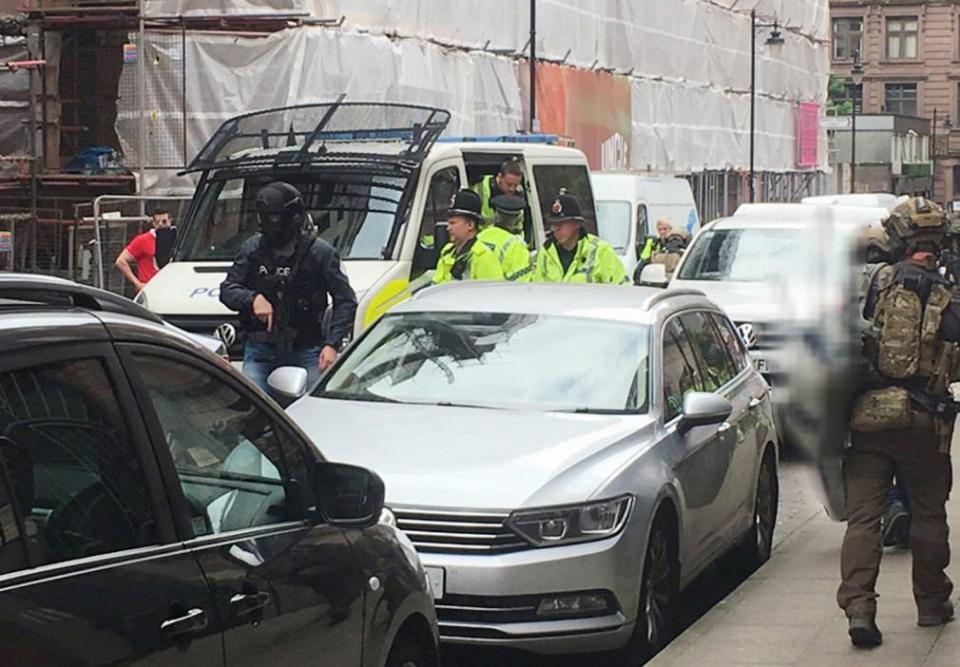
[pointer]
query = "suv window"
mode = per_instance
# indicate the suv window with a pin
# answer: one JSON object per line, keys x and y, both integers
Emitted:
{"x": 731, "y": 340}
{"x": 575, "y": 179}
{"x": 681, "y": 374}
{"x": 69, "y": 466}
{"x": 235, "y": 468}
{"x": 715, "y": 364}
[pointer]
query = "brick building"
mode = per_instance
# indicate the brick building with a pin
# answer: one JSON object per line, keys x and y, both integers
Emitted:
{"x": 910, "y": 51}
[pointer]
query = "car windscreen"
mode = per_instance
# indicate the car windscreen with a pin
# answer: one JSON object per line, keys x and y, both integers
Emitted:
{"x": 613, "y": 223}
{"x": 746, "y": 254}
{"x": 356, "y": 213}
{"x": 497, "y": 360}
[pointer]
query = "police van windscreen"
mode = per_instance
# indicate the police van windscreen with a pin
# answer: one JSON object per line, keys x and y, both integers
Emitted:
{"x": 745, "y": 255}
{"x": 356, "y": 213}
{"x": 613, "y": 223}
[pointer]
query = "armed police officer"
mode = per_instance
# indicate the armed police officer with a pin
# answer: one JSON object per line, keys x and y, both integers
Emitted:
{"x": 279, "y": 283}
{"x": 465, "y": 257}
{"x": 508, "y": 181}
{"x": 902, "y": 421}
{"x": 510, "y": 250}
{"x": 572, "y": 254}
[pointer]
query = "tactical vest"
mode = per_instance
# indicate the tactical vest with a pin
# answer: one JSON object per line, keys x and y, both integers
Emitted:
{"x": 298, "y": 305}
{"x": 909, "y": 363}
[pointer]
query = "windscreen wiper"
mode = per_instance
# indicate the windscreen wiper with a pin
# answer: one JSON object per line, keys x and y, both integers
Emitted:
{"x": 347, "y": 396}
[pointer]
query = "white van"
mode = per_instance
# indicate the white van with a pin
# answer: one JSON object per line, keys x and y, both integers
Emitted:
{"x": 875, "y": 199}
{"x": 629, "y": 206}
{"x": 375, "y": 181}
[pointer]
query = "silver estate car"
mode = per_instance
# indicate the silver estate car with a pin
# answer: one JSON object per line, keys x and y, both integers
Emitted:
{"x": 566, "y": 458}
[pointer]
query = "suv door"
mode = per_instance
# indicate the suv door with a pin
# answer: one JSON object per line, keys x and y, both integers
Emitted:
{"x": 90, "y": 569}
{"x": 287, "y": 590}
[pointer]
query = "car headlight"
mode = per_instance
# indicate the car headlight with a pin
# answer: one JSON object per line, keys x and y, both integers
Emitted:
{"x": 571, "y": 524}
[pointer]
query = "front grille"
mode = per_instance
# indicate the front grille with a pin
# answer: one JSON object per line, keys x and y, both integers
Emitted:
{"x": 458, "y": 532}
{"x": 207, "y": 326}
{"x": 769, "y": 335}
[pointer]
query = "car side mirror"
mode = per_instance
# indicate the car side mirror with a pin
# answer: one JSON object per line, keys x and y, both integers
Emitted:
{"x": 288, "y": 381}
{"x": 348, "y": 495}
{"x": 653, "y": 275}
{"x": 703, "y": 409}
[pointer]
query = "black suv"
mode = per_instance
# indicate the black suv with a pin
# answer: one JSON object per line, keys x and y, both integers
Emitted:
{"x": 155, "y": 507}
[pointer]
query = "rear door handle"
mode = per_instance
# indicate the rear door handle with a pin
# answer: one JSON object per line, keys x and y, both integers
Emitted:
{"x": 193, "y": 621}
{"x": 244, "y": 604}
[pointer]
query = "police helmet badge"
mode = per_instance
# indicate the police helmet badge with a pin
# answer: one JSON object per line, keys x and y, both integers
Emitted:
{"x": 557, "y": 207}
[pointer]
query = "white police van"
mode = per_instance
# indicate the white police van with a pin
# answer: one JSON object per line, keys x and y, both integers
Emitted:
{"x": 376, "y": 179}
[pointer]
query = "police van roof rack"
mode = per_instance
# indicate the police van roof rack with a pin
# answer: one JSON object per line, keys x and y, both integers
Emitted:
{"x": 665, "y": 294}
{"x": 331, "y": 133}
{"x": 25, "y": 289}
{"x": 548, "y": 139}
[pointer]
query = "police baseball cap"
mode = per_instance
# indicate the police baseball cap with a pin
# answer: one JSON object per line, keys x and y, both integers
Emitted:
{"x": 466, "y": 203}
{"x": 565, "y": 207}
{"x": 509, "y": 204}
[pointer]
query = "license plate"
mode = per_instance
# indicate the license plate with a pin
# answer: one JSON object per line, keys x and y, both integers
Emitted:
{"x": 437, "y": 577}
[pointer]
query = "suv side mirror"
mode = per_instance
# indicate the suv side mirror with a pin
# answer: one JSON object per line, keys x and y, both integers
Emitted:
{"x": 348, "y": 495}
{"x": 703, "y": 409}
{"x": 653, "y": 275}
{"x": 288, "y": 381}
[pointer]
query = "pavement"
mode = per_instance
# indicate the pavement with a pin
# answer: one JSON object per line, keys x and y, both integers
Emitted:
{"x": 786, "y": 612}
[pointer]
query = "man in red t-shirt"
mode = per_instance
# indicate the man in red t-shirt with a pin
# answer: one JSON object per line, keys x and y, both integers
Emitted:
{"x": 142, "y": 250}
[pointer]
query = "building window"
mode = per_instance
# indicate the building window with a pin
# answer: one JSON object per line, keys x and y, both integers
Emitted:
{"x": 854, "y": 94}
{"x": 902, "y": 36}
{"x": 901, "y": 98}
{"x": 847, "y": 34}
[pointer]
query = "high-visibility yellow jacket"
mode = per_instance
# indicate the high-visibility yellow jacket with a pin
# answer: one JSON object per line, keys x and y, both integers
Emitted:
{"x": 487, "y": 189}
{"x": 594, "y": 261}
{"x": 474, "y": 261}
{"x": 511, "y": 252}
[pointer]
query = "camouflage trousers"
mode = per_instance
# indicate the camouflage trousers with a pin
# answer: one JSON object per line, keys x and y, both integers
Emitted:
{"x": 912, "y": 455}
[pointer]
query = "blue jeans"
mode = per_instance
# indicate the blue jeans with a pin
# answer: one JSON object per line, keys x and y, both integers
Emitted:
{"x": 261, "y": 359}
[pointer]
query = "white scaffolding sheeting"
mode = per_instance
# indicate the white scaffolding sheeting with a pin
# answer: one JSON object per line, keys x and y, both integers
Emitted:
{"x": 230, "y": 76}
{"x": 688, "y": 63}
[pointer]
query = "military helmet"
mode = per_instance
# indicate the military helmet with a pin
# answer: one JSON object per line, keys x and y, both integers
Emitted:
{"x": 915, "y": 224}
{"x": 877, "y": 244}
{"x": 280, "y": 212}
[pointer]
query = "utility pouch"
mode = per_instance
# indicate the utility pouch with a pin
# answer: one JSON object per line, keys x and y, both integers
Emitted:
{"x": 882, "y": 410}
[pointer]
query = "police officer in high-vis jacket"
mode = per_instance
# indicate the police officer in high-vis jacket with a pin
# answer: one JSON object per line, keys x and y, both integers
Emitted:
{"x": 573, "y": 255}
{"x": 901, "y": 420}
{"x": 279, "y": 283}
{"x": 465, "y": 257}
{"x": 508, "y": 181}
{"x": 511, "y": 250}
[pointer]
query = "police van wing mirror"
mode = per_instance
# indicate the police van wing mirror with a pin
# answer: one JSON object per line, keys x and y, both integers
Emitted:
{"x": 653, "y": 275}
{"x": 288, "y": 381}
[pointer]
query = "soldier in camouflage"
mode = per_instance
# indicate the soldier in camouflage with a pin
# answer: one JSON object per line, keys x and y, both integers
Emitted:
{"x": 902, "y": 421}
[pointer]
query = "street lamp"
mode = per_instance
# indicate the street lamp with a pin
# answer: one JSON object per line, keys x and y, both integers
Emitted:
{"x": 856, "y": 73}
{"x": 775, "y": 44}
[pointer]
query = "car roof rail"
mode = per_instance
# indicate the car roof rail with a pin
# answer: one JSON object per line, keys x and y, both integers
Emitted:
{"x": 24, "y": 288}
{"x": 669, "y": 294}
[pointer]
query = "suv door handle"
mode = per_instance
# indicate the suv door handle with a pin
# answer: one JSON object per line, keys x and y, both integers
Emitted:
{"x": 754, "y": 403}
{"x": 244, "y": 604}
{"x": 193, "y": 621}
{"x": 724, "y": 427}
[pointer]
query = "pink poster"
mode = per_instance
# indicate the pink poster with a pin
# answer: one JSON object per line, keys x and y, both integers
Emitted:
{"x": 808, "y": 134}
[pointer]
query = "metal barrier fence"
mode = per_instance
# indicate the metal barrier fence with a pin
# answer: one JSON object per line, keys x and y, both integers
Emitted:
{"x": 114, "y": 221}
